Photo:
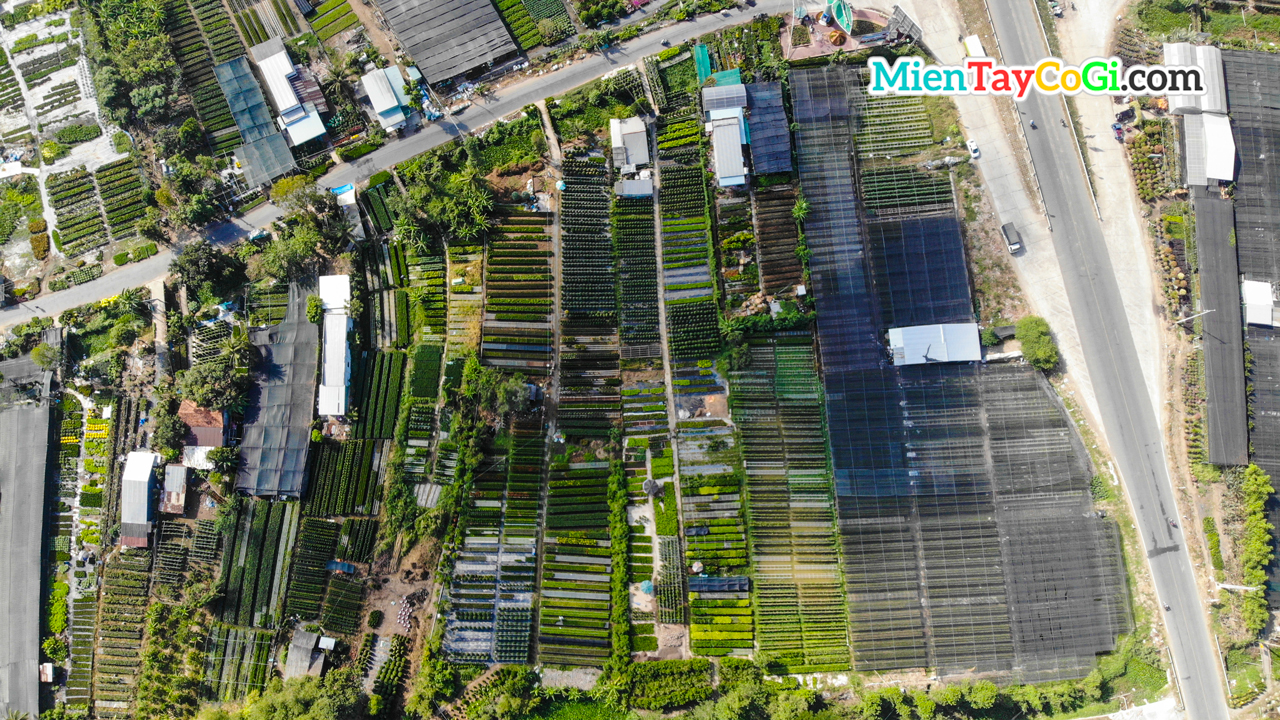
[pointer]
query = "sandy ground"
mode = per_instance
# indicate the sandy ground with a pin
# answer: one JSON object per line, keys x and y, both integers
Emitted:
{"x": 582, "y": 678}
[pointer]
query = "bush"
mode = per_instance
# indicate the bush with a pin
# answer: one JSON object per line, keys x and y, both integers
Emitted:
{"x": 989, "y": 337}
{"x": 122, "y": 142}
{"x": 37, "y": 226}
{"x": 40, "y": 245}
{"x": 73, "y": 134}
{"x": 1038, "y": 346}
{"x": 121, "y": 258}
{"x": 55, "y": 649}
{"x": 315, "y": 309}
{"x": 375, "y": 618}
{"x": 51, "y": 151}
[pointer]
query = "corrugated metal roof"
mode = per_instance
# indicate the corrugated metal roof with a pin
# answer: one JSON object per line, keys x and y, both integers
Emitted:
{"x": 449, "y": 37}
{"x": 265, "y": 159}
{"x": 1258, "y": 302}
{"x": 248, "y": 107}
{"x": 276, "y": 67}
{"x": 308, "y": 89}
{"x": 770, "y": 132}
{"x": 723, "y": 97}
{"x": 135, "y": 488}
{"x": 308, "y": 126}
{"x": 1219, "y": 148}
{"x": 1214, "y": 100}
{"x": 726, "y": 145}
{"x": 336, "y": 365}
{"x": 396, "y": 81}
{"x": 379, "y": 90}
{"x": 1181, "y": 54}
{"x": 642, "y": 187}
{"x": 935, "y": 343}
{"x": 1193, "y": 134}
{"x": 630, "y": 141}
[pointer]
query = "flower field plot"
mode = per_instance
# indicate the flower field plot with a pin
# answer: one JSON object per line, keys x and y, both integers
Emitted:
{"x": 206, "y": 546}
{"x": 84, "y": 616}
{"x": 589, "y": 351}
{"x": 332, "y": 18}
{"x": 343, "y": 601}
{"x": 267, "y": 305}
{"x": 215, "y": 23}
{"x": 57, "y": 97}
{"x": 196, "y": 62}
{"x": 672, "y": 80}
{"x": 121, "y": 618}
{"x": 426, "y": 275}
{"x": 573, "y": 624}
{"x": 10, "y": 91}
{"x": 375, "y": 202}
{"x": 891, "y": 126}
{"x": 317, "y": 540}
{"x": 376, "y": 394}
{"x": 691, "y": 379}
{"x": 523, "y": 28}
{"x": 711, "y": 490}
{"x": 692, "y": 316}
{"x": 357, "y": 539}
{"x": 739, "y": 273}
{"x": 237, "y": 661}
{"x": 519, "y": 287}
{"x": 120, "y": 186}
{"x": 424, "y": 380}
{"x": 80, "y": 227}
{"x": 174, "y": 540}
{"x": 720, "y": 616}
{"x": 553, "y": 10}
{"x": 801, "y": 619}
{"x": 776, "y": 243}
{"x": 889, "y": 192}
{"x": 644, "y": 412}
{"x": 671, "y": 587}
{"x": 491, "y": 590}
{"x": 633, "y": 236}
{"x": 254, "y": 566}
{"x": 39, "y": 70}
{"x": 343, "y": 481}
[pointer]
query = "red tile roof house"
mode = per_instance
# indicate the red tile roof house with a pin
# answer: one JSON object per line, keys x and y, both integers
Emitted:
{"x": 207, "y": 426}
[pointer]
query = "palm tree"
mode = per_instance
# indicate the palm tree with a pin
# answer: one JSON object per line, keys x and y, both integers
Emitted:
{"x": 238, "y": 346}
{"x": 17, "y": 715}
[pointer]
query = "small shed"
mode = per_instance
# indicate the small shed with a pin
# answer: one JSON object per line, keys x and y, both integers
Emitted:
{"x": 1258, "y": 303}
{"x": 174, "y": 498}
{"x": 303, "y": 658}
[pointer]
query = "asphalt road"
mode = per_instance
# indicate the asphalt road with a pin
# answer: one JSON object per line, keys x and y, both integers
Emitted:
{"x": 1128, "y": 416}
{"x": 109, "y": 285}
{"x": 539, "y": 87}
{"x": 24, "y": 434}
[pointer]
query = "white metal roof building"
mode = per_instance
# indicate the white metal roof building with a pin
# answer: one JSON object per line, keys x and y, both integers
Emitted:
{"x": 1258, "y": 303}
{"x": 1208, "y": 144}
{"x": 384, "y": 97}
{"x": 726, "y": 146}
{"x": 299, "y": 121}
{"x": 630, "y": 141}
{"x": 920, "y": 344}
{"x": 335, "y": 364}
{"x": 135, "y": 498}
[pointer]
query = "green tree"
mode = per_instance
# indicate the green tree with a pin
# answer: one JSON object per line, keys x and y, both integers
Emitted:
{"x": 226, "y": 460}
{"x": 291, "y": 253}
{"x": 214, "y": 384}
{"x": 1038, "y": 346}
{"x": 46, "y": 356}
{"x": 982, "y": 695}
{"x": 152, "y": 102}
{"x": 315, "y": 309}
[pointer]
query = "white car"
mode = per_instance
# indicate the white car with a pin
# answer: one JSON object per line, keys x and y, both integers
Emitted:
{"x": 973, "y": 149}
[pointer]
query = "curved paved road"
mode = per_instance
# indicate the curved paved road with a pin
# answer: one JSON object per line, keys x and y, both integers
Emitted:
{"x": 109, "y": 285}
{"x": 540, "y": 87}
{"x": 1131, "y": 424}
